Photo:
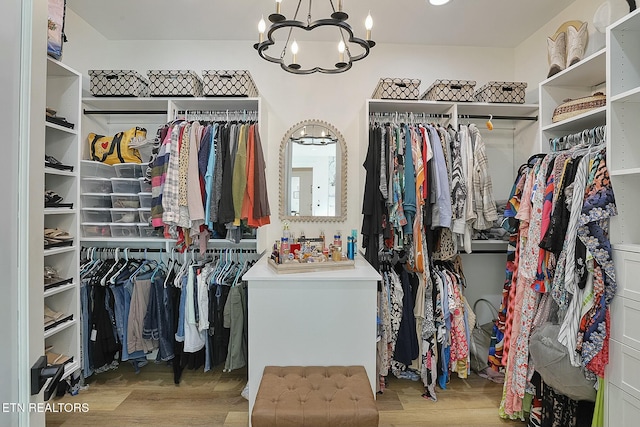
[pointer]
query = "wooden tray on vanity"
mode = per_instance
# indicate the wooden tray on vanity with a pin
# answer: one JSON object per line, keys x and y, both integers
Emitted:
{"x": 296, "y": 267}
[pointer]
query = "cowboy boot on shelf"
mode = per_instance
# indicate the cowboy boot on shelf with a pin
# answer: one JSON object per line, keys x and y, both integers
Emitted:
{"x": 576, "y": 43}
{"x": 557, "y": 53}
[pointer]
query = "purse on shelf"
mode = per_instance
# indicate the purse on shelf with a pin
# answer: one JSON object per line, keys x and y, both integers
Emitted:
{"x": 573, "y": 107}
{"x": 117, "y": 149}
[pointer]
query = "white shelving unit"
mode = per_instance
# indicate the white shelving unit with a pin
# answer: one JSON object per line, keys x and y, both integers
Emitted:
{"x": 107, "y": 116}
{"x": 622, "y": 403}
{"x": 582, "y": 79}
{"x": 63, "y": 93}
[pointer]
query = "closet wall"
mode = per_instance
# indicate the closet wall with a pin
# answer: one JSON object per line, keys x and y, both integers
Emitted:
{"x": 338, "y": 99}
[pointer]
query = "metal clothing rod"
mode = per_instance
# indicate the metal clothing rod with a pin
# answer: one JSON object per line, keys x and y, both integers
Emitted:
{"x": 487, "y": 116}
{"x": 129, "y": 112}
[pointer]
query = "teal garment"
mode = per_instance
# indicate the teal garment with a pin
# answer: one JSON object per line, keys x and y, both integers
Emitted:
{"x": 208, "y": 177}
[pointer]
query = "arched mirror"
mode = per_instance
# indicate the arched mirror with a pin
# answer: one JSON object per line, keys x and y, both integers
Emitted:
{"x": 313, "y": 173}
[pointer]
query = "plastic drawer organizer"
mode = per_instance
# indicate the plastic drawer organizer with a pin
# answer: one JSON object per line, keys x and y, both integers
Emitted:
{"x": 122, "y": 200}
{"x": 96, "y": 215}
{"x": 125, "y": 185}
{"x": 97, "y": 185}
{"x": 127, "y": 216}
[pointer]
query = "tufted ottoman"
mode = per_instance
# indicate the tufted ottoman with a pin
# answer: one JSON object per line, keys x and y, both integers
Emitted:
{"x": 314, "y": 396}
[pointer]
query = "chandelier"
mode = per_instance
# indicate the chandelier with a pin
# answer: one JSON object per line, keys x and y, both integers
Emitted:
{"x": 344, "y": 34}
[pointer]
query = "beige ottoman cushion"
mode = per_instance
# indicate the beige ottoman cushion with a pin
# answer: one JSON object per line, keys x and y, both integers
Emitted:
{"x": 318, "y": 396}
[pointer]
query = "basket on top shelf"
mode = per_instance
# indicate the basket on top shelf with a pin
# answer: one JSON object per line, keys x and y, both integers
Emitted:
{"x": 174, "y": 83}
{"x": 118, "y": 83}
{"x": 574, "y": 107}
{"x": 228, "y": 83}
{"x": 450, "y": 90}
{"x": 397, "y": 88}
{"x": 506, "y": 92}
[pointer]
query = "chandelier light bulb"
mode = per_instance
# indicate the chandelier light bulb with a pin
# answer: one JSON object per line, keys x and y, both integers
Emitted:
{"x": 368, "y": 24}
{"x": 294, "y": 47}
{"x": 262, "y": 26}
{"x": 278, "y": 3}
{"x": 341, "y": 48}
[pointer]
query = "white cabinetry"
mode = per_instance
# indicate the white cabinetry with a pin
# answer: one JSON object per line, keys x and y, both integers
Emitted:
{"x": 63, "y": 92}
{"x": 580, "y": 80}
{"x": 623, "y": 157}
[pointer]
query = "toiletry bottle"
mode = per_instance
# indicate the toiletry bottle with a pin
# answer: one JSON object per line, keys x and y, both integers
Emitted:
{"x": 284, "y": 241}
{"x": 322, "y": 237}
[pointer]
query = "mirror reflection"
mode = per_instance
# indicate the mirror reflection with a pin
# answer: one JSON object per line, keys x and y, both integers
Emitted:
{"x": 313, "y": 176}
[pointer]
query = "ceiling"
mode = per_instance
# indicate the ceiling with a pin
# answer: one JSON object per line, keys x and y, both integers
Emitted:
{"x": 494, "y": 23}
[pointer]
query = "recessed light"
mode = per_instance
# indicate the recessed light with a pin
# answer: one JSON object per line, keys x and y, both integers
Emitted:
{"x": 438, "y": 2}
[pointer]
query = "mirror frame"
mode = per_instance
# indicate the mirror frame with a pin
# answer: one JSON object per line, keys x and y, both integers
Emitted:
{"x": 284, "y": 185}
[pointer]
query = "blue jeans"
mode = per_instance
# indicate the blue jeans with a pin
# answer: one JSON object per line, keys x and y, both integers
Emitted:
{"x": 84, "y": 302}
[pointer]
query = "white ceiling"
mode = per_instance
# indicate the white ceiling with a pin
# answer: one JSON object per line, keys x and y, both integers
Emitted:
{"x": 496, "y": 23}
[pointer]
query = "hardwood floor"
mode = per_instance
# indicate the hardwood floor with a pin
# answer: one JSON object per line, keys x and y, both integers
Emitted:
{"x": 122, "y": 398}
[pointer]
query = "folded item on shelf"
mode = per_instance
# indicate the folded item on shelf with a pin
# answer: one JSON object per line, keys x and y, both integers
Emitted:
{"x": 61, "y": 121}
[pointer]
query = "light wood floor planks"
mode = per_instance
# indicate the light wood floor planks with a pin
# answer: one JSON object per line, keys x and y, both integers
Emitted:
{"x": 122, "y": 398}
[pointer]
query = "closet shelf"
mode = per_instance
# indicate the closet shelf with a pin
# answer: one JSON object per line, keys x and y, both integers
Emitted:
{"x": 498, "y": 109}
{"x": 54, "y": 171}
{"x": 632, "y": 95}
{"x": 60, "y": 327}
{"x": 61, "y": 250}
{"x": 481, "y": 246}
{"x": 59, "y": 289}
{"x": 59, "y": 128}
{"x": 59, "y": 211}
{"x": 623, "y": 172}
{"x": 409, "y": 106}
{"x": 590, "y": 71}
{"x": 595, "y": 117}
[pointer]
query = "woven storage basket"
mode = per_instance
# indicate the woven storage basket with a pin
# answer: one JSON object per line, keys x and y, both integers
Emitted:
{"x": 174, "y": 83}
{"x": 574, "y": 107}
{"x": 228, "y": 83}
{"x": 507, "y": 92}
{"x": 450, "y": 90}
{"x": 390, "y": 88}
{"x": 117, "y": 83}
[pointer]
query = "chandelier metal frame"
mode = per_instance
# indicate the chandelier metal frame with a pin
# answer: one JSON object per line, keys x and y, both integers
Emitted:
{"x": 338, "y": 19}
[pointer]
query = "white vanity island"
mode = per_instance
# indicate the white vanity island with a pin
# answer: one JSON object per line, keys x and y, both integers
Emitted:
{"x": 313, "y": 318}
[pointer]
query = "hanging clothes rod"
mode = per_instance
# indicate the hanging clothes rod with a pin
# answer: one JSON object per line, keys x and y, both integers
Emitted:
{"x": 487, "y": 116}
{"x": 128, "y": 112}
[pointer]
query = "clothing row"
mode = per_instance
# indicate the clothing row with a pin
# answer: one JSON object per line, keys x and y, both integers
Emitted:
{"x": 208, "y": 179}
{"x": 424, "y": 326}
{"x": 425, "y": 179}
{"x": 191, "y": 313}
{"x": 559, "y": 271}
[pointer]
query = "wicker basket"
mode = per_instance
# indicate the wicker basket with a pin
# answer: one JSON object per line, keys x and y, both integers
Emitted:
{"x": 390, "y": 88}
{"x": 174, "y": 83}
{"x": 228, "y": 83}
{"x": 507, "y": 92}
{"x": 450, "y": 90}
{"x": 574, "y": 107}
{"x": 117, "y": 83}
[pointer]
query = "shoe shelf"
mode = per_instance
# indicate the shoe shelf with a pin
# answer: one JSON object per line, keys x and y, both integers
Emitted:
{"x": 61, "y": 327}
{"x": 58, "y": 289}
{"x": 59, "y": 128}
{"x": 62, "y": 145}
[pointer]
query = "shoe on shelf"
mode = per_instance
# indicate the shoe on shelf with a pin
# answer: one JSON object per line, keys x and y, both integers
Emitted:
{"x": 52, "y": 162}
{"x": 576, "y": 43}
{"x": 557, "y": 49}
{"x": 54, "y": 200}
{"x": 55, "y": 358}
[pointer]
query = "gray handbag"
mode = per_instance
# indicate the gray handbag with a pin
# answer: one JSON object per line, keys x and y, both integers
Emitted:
{"x": 480, "y": 339}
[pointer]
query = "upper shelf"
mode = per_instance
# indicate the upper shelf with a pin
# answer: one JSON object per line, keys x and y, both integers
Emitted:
{"x": 57, "y": 68}
{"x": 590, "y": 71}
{"x": 461, "y": 108}
{"x": 589, "y": 119}
{"x": 160, "y": 105}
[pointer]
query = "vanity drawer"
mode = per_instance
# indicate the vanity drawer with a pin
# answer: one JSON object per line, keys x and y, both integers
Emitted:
{"x": 624, "y": 368}
{"x": 625, "y": 318}
{"x": 627, "y": 267}
{"x": 622, "y": 408}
